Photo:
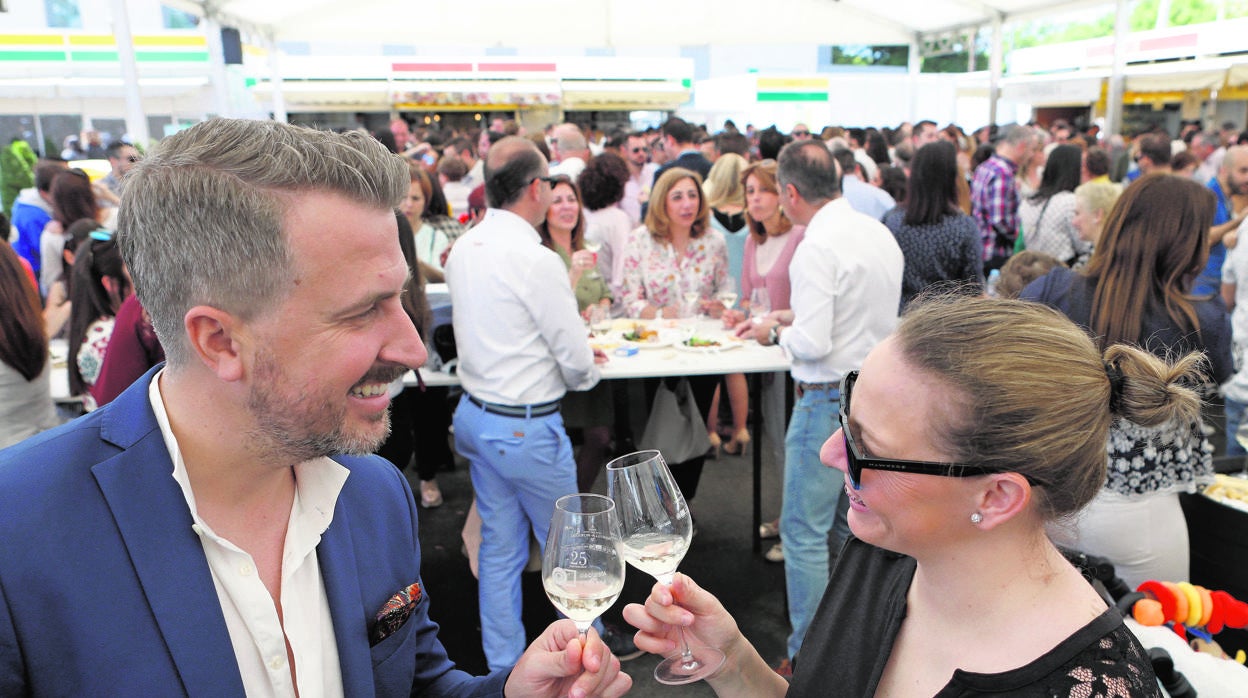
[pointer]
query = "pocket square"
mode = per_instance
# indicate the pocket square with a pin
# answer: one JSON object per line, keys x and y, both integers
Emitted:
{"x": 394, "y": 613}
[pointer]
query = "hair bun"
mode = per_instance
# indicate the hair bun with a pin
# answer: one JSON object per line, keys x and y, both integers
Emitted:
{"x": 1116, "y": 382}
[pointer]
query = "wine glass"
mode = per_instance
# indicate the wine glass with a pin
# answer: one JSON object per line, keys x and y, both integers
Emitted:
{"x": 727, "y": 294}
{"x": 760, "y": 304}
{"x": 690, "y": 308}
{"x": 656, "y": 528}
{"x": 583, "y": 563}
{"x": 593, "y": 246}
{"x": 599, "y": 320}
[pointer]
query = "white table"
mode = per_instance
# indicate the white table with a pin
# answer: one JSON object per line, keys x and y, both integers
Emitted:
{"x": 745, "y": 357}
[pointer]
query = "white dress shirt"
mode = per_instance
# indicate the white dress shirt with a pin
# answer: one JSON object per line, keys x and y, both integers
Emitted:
{"x": 518, "y": 334}
{"x": 257, "y": 634}
{"x": 846, "y": 277}
{"x": 633, "y": 189}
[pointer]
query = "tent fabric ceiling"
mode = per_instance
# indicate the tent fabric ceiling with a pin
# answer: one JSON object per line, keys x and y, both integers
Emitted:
{"x": 615, "y": 23}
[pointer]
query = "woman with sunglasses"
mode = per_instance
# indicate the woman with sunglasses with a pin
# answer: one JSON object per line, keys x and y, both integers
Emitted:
{"x": 974, "y": 425}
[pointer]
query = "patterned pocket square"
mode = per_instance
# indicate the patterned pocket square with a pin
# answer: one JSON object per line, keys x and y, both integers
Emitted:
{"x": 394, "y": 613}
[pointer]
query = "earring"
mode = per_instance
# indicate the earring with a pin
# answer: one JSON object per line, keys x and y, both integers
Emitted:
{"x": 977, "y": 517}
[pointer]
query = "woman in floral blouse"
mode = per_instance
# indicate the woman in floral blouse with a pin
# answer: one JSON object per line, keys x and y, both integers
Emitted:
{"x": 675, "y": 252}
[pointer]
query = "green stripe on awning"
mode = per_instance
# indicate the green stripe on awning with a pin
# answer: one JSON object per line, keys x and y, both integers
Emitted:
{"x": 792, "y": 96}
{"x": 32, "y": 55}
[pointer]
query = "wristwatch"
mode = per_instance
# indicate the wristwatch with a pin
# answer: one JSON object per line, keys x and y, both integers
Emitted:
{"x": 773, "y": 335}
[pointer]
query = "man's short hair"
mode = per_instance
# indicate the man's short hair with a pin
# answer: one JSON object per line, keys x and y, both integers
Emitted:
{"x": 845, "y": 158}
{"x": 1016, "y": 134}
{"x": 1156, "y": 147}
{"x": 770, "y": 141}
{"x": 733, "y": 142}
{"x": 569, "y": 138}
{"x": 46, "y": 170}
{"x": 114, "y": 148}
{"x": 505, "y": 180}
{"x": 810, "y": 168}
{"x": 204, "y": 213}
{"x": 678, "y": 129}
{"x": 453, "y": 169}
{"x": 1097, "y": 161}
{"x": 463, "y": 145}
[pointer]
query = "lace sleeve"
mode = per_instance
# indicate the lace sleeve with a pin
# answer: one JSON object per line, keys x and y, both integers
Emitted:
{"x": 1114, "y": 665}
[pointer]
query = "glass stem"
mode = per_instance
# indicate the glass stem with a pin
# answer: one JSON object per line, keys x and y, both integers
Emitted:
{"x": 686, "y": 653}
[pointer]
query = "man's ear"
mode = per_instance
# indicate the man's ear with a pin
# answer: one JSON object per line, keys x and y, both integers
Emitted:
{"x": 214, "y": 336}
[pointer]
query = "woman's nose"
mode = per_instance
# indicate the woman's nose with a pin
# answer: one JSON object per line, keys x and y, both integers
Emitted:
{"x": 832, "y": 454}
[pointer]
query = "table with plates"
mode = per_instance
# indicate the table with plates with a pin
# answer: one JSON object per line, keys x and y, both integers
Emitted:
{"x": 668, "y": 354}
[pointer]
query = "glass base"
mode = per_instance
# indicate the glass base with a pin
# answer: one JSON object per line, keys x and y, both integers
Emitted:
{"x": 678, "y": 669}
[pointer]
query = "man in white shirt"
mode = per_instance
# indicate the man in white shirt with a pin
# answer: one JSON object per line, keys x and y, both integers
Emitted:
{"x": 236, "y": 534}
{"x": 522, "y": 345}
{"x": 846, "y": 280}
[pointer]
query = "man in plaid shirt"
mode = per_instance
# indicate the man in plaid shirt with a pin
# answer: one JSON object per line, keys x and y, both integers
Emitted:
{"x": 994, "y": 195}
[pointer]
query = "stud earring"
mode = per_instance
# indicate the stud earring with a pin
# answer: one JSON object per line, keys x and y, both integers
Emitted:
{"x": 977, "y": 517}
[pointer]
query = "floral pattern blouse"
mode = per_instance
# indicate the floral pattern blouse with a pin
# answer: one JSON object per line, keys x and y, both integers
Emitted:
{"x": 91, "y": 355}
{"x": 655, "y": 274}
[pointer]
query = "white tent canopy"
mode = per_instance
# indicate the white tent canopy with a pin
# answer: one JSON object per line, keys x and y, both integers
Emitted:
{"x": 616, "y": 23}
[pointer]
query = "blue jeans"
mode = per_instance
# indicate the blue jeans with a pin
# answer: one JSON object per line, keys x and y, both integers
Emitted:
{"x": 1234, "y": 417}
{"x": 520, "y": 466}
{"x": 812, "y": 492}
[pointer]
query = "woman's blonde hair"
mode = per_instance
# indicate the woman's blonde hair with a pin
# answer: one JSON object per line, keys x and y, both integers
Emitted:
{"x": 723, "y": 182}
{"x": 1033, "y": 394}
{"x": 765, "y": 173}
{"x": 657, "y": 220}
{"x": 1098, "y": 196}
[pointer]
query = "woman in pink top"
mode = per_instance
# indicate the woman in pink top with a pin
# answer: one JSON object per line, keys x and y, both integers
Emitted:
{"x": 768, "y": 251}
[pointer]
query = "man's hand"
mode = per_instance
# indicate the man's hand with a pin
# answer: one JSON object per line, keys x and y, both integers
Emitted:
{"x": 600, "y": 356}
{"x": 556, "y": 665}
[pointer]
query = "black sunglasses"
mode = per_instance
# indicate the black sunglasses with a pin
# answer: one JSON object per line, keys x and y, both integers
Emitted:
{"x": 801, "y": 133}
{"x": 549, "y": 179}
{"x": 857, "y": 461}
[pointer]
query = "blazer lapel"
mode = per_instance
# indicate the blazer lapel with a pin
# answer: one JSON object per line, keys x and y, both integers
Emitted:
{"x": 336, "y": 557}
{"x": 155, "y": 525}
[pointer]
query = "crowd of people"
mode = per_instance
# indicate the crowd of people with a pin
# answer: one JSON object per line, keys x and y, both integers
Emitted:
{"x": 243, "y": 360}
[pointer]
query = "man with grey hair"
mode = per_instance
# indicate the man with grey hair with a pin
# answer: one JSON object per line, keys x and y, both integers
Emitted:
{"x": 994, "y": 196}
{"x": 236, "y": 535}
{"x": 846, "y": 288}
{"x": 569, "y": 150}
{"x": 522, "y": 345}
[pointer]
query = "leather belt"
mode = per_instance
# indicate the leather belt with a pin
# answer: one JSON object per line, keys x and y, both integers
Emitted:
{"x": 818, "y": 386}
{"x": 522, "y": 411}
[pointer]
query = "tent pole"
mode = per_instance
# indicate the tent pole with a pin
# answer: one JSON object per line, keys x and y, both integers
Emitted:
{"x": 996, "y": 63}
{"x": 1113, "y": 100}
{"x": 136, "y": 120}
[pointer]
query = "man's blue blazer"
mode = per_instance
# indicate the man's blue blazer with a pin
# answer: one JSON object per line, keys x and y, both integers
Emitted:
{"x": 105, "y": 590}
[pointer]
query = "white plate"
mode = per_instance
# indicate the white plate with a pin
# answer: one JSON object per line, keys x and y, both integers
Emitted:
{"x": 724, "y": 345}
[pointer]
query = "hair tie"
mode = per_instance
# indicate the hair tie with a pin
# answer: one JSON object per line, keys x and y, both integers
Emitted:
{"x": 1116, "y": 381}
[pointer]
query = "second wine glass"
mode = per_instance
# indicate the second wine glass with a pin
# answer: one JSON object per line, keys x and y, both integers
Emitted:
{"x": 583, "y": 562}
{"x": 656, "y": 529}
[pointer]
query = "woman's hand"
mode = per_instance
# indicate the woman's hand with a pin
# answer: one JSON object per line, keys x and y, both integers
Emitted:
{"x": 582, "y": 262}
{"x": 705, "y": 622}
{"x": 712, "y": 309}
{"x": 732, "y": 318}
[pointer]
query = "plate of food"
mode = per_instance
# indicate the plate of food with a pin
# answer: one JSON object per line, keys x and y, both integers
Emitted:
{"x": 644, "y": 337}
{"x": 703, "y": 344}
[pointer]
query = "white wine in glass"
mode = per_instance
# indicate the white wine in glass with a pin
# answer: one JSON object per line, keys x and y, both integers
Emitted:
{"x": 656, "y": 528}
{"x": 593, "y": 246}
{"x": 583, "y": 563}
{"x": 727, "y": 294}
